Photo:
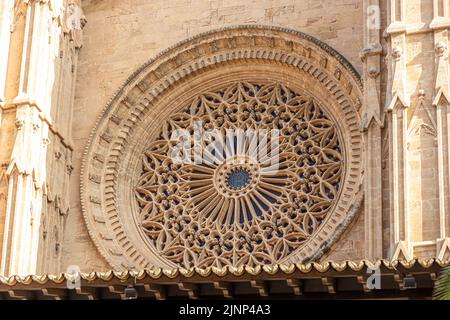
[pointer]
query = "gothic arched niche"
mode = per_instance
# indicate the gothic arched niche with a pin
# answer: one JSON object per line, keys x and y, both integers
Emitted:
{"x": 230, "y": 206}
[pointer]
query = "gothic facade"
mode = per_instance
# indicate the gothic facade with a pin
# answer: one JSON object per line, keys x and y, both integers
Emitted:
{"x": 92, "y": 93}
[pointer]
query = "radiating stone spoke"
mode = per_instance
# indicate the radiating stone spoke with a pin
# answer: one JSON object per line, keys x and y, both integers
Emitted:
{"x": 256, "y": 196}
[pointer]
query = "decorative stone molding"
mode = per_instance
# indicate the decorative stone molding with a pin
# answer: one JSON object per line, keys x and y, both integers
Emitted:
{"x": 165, "y": 85}
{"x": 227, "y": 203}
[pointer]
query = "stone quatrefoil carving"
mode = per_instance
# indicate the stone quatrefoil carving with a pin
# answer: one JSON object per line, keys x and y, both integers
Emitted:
{"x": 238, "y": 206}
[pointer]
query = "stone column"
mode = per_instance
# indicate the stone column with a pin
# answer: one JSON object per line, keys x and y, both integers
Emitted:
{"x": 37, "y": 181}
{"x": 6, "y": 23}
{"x": 371, "y": 126}
{"x": 440, "y": 26}
{"x": 397, "y": 118}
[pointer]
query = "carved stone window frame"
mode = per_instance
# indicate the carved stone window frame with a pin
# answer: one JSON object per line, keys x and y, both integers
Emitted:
{"x": 113, "y": 155}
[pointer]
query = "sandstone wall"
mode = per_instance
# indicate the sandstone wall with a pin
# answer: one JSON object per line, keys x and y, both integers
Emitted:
{"x": 122, "y": 34}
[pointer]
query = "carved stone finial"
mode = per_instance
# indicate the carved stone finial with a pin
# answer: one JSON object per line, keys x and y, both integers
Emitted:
{"x": 440, "y": 48}
{"x": 75, "y": 22}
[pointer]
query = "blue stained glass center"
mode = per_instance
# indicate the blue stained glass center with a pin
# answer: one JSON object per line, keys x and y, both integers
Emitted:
{"x": 238, "y": 179}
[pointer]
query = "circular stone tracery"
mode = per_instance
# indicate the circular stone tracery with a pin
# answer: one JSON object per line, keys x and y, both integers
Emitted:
{"x": 238, "y": 179}
{"x": 112, "y": 163}
{"x": 237, "y": 205}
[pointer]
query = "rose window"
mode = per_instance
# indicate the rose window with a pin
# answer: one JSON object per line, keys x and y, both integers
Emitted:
{"x": 243, "y": 175}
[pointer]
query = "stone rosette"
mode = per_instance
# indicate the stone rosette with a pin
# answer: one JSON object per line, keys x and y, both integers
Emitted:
{"x": 112, "y": 163}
